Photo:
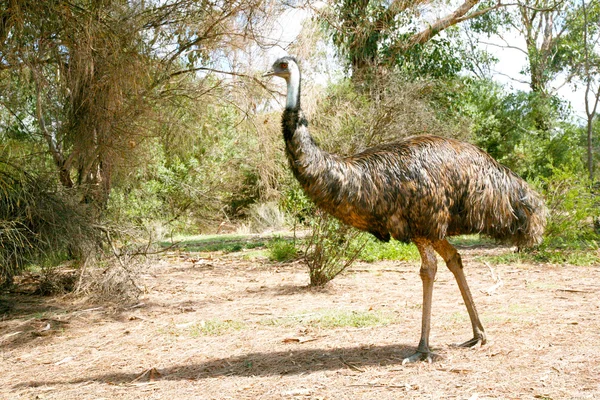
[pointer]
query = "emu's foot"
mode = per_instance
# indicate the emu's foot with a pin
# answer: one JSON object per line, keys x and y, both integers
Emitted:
{"x": 418, "y": 356}
{"x": 477, "y": 341}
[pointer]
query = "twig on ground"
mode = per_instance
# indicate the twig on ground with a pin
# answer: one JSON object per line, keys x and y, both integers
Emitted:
{"x": 75, "y": 313}
{"x": 498, "y": 281}
{"x": 379, "y": 270}
{"x": 576, "y": 290}
{"x": 151, "y": 374}
{"x": 405, "y": 386}
{"x": 351, "y": 366}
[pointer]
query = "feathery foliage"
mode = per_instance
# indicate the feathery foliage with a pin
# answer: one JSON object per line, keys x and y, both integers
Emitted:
{"x": 38, "y": 223}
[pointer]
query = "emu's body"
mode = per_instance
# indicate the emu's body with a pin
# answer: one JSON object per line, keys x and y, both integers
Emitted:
{"x": 422, "y": 189}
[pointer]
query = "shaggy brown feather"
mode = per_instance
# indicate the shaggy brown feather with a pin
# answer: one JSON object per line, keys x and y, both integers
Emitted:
{"x": 422, "y": 187}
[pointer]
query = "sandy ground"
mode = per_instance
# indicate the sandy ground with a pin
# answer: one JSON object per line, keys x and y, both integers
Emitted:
{"x": 216, "y": 326}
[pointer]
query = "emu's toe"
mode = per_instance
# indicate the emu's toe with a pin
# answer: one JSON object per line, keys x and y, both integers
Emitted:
{"x": 475, "y": 342}
{"x": 418, "y": 356}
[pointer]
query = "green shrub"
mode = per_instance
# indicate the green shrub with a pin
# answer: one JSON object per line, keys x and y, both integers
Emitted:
{"x": 295, "y": 203}
{"x": 573, "y": 210}
{"x": 282, "y": 250}
{"x": 331, "y": 247}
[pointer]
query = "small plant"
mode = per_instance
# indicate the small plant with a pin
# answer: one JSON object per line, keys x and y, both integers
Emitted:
{"x": 214, "y": 327}
{"x": 282, "y": 250}
{"x": 331, "y": 248}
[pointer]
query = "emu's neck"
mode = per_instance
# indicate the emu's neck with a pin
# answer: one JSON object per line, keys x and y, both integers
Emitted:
{"x": 332, "y": 183}
{"x": 302, "y": 151}
{"x": 310, "y": 165}
{"x": 293, "y": 90}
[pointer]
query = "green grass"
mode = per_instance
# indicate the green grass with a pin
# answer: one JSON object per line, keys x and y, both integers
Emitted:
{"x": 355, "y": 319}
{"x": 582, "y": 258}
{"x": 329, "y": 319}
{"x": 375, "y": 250}
{"x": 214, "y": 327}
{"x": 282, "y": 250}
{"x": 254, "y": 254}
{"x": 211, "y": 243}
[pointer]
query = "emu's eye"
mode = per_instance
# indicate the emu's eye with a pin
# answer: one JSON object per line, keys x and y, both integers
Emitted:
{"x": 283, "y": 65}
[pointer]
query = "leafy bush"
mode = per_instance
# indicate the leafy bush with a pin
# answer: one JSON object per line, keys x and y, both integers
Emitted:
{"x": 198, "y": 175}
{"x": 573, "y": 211}
{"x": 527, "y": 132}
{"x": 331, "y": 247}
{"x": 296, "y": 204}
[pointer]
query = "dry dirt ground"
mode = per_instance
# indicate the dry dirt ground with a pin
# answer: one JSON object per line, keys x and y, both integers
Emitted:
{"x": 215, "y": 326}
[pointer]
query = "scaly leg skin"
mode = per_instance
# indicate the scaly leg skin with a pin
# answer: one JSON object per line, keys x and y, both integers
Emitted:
{"x": 454, "y": 263}
{"x": 427, "y": 272}
{"x": 423, "y": 353}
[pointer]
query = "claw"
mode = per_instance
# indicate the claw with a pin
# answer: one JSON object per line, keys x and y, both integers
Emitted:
{"x": 475, "y": 342}
{"x": 418, "y": 356}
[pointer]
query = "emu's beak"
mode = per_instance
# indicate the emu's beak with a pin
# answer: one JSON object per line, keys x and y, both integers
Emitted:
{"x": 270, "y": 72}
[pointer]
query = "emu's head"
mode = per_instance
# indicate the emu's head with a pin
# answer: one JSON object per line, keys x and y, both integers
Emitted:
{"x": 284, "y": 68}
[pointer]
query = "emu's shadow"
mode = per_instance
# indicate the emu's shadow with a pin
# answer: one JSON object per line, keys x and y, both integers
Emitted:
{"x": 291, "y": 362}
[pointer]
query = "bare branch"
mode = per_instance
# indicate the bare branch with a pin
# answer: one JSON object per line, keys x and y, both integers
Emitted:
{"x": 511, "y": 78}
{"x": 218, "y": 71}
{"x": 505, "y": 46}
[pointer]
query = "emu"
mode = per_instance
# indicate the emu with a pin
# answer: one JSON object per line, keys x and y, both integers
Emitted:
{"x": 421, "y": 190}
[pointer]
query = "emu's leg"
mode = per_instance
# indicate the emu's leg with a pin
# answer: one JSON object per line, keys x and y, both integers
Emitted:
{"x": 454, "y": 263}
{"x": 427, "y": 272}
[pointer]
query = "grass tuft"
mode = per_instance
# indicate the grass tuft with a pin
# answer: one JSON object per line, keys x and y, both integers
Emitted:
{"x": 282, "y": 250}
{"x": 329, "y": 319}
{"x": 213, "y": 327}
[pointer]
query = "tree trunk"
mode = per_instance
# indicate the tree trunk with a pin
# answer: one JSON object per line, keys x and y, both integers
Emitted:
{"x": 590, "y": 152}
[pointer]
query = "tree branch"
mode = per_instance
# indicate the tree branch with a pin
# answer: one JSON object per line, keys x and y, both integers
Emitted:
{"x": 506, "y": 46}
{"x": 55, "y": 151}
{"x": 218, "y": 71}
{"x": 459, "y": 15}
{"x": 442, "y": 23}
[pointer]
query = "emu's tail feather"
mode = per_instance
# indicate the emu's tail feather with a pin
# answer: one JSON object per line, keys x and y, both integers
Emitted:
{"x": 534, "y": 218}
{"x": 529, "y": 221}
